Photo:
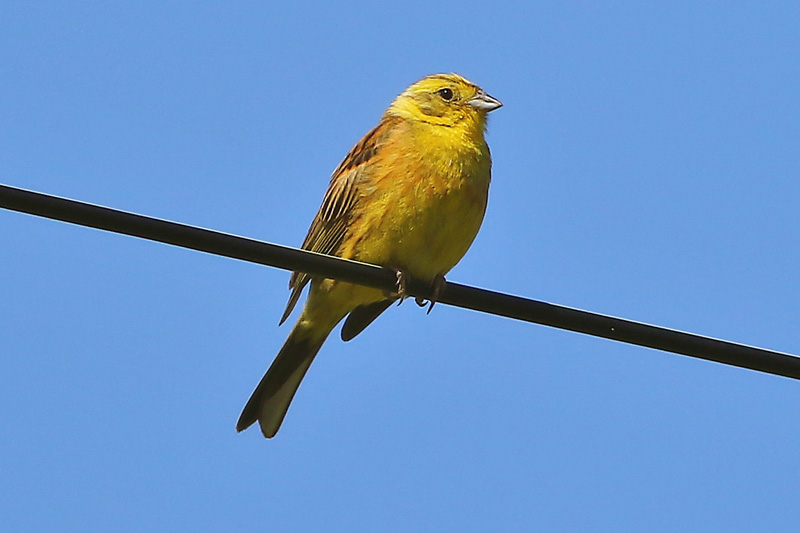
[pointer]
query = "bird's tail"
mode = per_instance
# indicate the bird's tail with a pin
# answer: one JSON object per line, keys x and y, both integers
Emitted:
{"x": 270, "y": 401}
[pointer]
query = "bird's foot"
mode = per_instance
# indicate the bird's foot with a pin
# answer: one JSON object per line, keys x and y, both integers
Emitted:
{"x": 402, "y": 285}
{"x": 438, "y": 285}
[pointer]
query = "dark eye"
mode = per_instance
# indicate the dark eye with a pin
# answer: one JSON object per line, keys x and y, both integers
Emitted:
{"x": 446, "y": 93}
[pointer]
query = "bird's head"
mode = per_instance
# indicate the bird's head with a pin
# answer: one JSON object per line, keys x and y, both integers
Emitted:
{"x": 446, "y": 100}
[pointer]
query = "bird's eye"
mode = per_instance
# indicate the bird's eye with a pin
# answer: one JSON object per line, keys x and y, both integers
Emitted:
{"x": 446, "y": 93}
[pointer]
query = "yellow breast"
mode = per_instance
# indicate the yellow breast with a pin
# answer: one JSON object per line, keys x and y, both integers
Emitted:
{"x": 426, "y": 199}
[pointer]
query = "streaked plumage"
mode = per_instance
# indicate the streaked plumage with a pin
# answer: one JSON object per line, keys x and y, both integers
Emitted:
{"x": 409, "y": 196}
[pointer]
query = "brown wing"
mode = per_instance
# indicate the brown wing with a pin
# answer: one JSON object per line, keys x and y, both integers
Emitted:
{"x": 362, "y": 316}
{"x": 330, "y": 226}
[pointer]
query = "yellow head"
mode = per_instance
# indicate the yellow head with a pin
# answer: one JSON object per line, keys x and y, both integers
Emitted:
{"x": 445, "y": 100}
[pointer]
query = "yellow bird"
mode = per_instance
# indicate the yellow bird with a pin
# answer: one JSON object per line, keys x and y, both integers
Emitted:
{"x": 409, "y": 196}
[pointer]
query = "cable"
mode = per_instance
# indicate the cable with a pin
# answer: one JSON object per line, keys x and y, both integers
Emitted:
{"x": 213, "y": 242}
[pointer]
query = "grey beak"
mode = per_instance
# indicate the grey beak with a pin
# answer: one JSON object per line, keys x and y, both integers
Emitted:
{"x": 485, "y": 102}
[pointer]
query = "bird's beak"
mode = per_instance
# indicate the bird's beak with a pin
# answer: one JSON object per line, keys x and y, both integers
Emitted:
{"x": 484, "y": 102}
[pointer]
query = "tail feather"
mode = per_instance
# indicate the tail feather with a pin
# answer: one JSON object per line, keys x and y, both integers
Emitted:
{"x": 271, "y": 398}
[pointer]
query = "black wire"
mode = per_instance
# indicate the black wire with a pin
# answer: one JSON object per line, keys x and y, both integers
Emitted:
{"x": 264, "y": 253}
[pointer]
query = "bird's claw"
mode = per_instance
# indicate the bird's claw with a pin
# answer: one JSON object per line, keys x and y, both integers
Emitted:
{"x": 436, "y": 289}
{"x": 438, "y": 284}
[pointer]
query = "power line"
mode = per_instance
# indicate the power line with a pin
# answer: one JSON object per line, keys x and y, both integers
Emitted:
{"x": 204, "y": 240}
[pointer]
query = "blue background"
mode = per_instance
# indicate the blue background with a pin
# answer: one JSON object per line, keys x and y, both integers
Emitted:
{"x": 646, "y": 165}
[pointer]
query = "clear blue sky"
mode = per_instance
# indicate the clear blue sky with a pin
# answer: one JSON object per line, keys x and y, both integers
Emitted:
{"x": 646, "y": 165}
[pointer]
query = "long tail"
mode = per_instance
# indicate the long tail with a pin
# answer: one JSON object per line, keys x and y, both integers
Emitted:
{"x": 270, "y": 401}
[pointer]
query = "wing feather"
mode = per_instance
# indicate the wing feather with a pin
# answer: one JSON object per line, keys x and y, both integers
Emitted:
{"x": 330, "y": 225}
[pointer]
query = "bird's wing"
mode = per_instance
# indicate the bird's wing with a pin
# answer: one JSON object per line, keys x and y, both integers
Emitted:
{"x": 362, "y": 316}
{"x": 330, "y": 226}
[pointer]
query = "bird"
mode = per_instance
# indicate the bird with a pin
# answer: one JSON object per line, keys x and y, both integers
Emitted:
{"x": 409, "y": 196}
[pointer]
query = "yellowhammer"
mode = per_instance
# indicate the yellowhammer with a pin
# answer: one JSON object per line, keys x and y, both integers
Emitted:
{"x": 409, "y": 196}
